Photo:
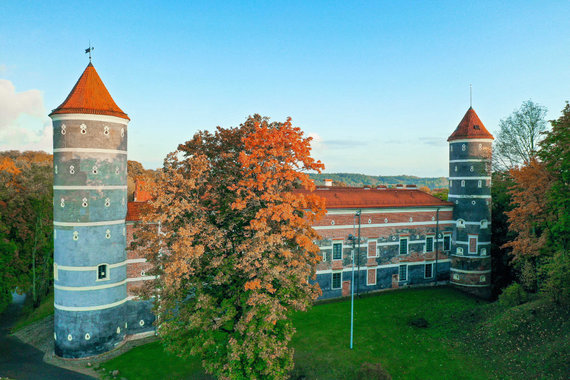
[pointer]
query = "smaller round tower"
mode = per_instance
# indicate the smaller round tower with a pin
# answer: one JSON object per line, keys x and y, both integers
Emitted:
{"x": 470, "y": 152}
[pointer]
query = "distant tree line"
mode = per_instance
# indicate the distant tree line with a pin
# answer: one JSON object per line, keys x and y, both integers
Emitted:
{"x": 358, "y": 180}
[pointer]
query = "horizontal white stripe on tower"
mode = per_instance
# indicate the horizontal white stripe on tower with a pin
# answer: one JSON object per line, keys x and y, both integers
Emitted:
{"x": 89, "y": 308}
{"x": 456, "y": 178}
{"x": 470, "y": 140}
{"x": 89, "y": 117}
{"x": 470, "y": 160}
{"x": 479, "y": 242}
{"x": 88, "y": 224}
{"x": 88, "y": 268}
{"x": 337, "y": 227}
{"x": 89, "y": 150}
{"x": 91, "y": 187}
{"x": 468, "y": 196}
{"x": 470, "y": 271}
{"x": 87, "y": 288}
{"x": 470, "y": 285}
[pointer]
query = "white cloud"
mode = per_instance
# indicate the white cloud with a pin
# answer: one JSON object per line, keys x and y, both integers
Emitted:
{"x": 24, "y": 124}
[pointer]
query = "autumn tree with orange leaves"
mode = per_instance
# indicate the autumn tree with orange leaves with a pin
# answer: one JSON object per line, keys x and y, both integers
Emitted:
{"x": 235, "y": 252}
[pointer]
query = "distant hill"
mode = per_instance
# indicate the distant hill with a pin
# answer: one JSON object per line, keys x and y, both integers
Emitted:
{"x": 355, "y": 179}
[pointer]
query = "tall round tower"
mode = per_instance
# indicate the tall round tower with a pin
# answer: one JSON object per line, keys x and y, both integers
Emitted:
{"x": 90, "y": 205}
{"x": 470, "y": 151}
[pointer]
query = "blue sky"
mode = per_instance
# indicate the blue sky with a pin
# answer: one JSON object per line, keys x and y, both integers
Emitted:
{"x": 380, "y": 85}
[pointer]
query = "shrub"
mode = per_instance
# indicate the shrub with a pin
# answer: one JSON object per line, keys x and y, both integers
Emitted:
{"x": 513, "y": 295}
{"x": 370, "y": 371}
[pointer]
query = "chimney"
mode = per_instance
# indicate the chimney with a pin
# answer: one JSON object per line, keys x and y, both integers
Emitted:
{"x": 328, "y": 182}
{"x": 381, "y": 187}
{"x": 399, "y": 186}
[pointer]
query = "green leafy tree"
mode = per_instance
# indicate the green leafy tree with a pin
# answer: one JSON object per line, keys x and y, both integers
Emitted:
{"x": 235, "y": 254}
{"x": 519, "y": 135}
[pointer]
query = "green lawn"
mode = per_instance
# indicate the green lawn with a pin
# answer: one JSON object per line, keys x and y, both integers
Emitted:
{"x": 466, "y": 339}
{"x": 382, "y": 335}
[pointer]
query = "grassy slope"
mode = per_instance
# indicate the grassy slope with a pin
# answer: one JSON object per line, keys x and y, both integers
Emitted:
{"x": 466, "y": 339}
{"x": 382, "y": 334}
{"x": 30, "y": 315}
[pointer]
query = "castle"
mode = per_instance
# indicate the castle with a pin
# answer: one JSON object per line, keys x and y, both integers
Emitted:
{"x": 408, "y": 237}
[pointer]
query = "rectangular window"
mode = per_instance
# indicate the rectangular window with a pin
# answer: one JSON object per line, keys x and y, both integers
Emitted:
{"x": 403, "y": 245}
{"x": 336, "y": 280}
{"x": 472, "y": 243}
{"x": 102, "y": 273}
{"x": 371, "y": 277}
{"x": 446, "y": 243}
{"x": 428, "y": 273}
{"x": 337, "y": 251}
{"x": 429, "y": 243}
{"x": 403, "y": 272}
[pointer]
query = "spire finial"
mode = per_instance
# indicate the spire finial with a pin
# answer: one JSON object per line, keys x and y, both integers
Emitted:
{"x": 88, "y": 50}
{"x": 470, "y": 96}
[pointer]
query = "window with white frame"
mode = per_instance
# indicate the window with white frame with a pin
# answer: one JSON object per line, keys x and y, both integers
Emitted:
{"x": 460, "y": 223}
{"x": 446, "y": 243}
{"x": 337, "y": 251}
{"x": 403, "y": 245}
{"x": 102, "y": 272}
{"x": 403, "y": 272}
{"x": 429, "y": 243}
{"x": 484, "y": 223}
{"x": 428, "y": 270}
{"x": 336, "y": 281}
{"x": 473, "y": 244}
{"x": 371, "y": 277}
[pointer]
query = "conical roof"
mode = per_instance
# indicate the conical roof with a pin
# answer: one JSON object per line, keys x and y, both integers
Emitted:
{"x": 470, "y": 127}
{"x": 90, "y": 96}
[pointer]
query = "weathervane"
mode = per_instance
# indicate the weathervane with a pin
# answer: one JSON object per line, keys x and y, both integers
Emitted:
{"x": 89, "y": 51}
{"x": 470, "y": 95}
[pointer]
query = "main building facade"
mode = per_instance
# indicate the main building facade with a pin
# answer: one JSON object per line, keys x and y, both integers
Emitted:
{"x": 407, "y": 237}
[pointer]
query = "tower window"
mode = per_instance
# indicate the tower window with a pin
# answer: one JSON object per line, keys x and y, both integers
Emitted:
{"x": 479, "y": 184}
{"x": 480, "y": 146}
{"x": 450, "y": 183}
{"x": 471, "y": 168}
{"x": 455, "y": 167}
{"x": 484, "y": 223}
{"x": 462, "y": 183}
{"x": 451, "y": 148}
{"x": 463, "y": 147}
{"x": 102, "y": 272}
{"x": 473, "y": 244}
{"x": 460, "y": 223}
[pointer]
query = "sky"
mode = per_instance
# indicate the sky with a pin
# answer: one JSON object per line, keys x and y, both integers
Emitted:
{"x": 379, "y": 85}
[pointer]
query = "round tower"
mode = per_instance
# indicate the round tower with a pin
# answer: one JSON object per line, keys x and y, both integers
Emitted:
{"x": 470, "y": 151}
{"x": 90, "y": 205}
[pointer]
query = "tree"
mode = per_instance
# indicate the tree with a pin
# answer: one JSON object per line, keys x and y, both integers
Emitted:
{"x": 26, "y": 222}
{"x": 519, "y": 135}
{"x": 540, "y": 214}
{"x": 235, "y": 254}
{"x": 555, "y": 153}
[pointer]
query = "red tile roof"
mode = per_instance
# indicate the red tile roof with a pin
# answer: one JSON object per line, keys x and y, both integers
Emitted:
{"x": 355, "y": 197}
{"x": 347, "y": 197}
{"x": 89, "y": 95}
{"x": 134, "y": 211}
{"x": 141, "y": 194}
{"x": 470, "y": 127}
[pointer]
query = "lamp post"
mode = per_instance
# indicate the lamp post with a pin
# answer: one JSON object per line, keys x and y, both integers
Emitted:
{"x": 351, "y": 237}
